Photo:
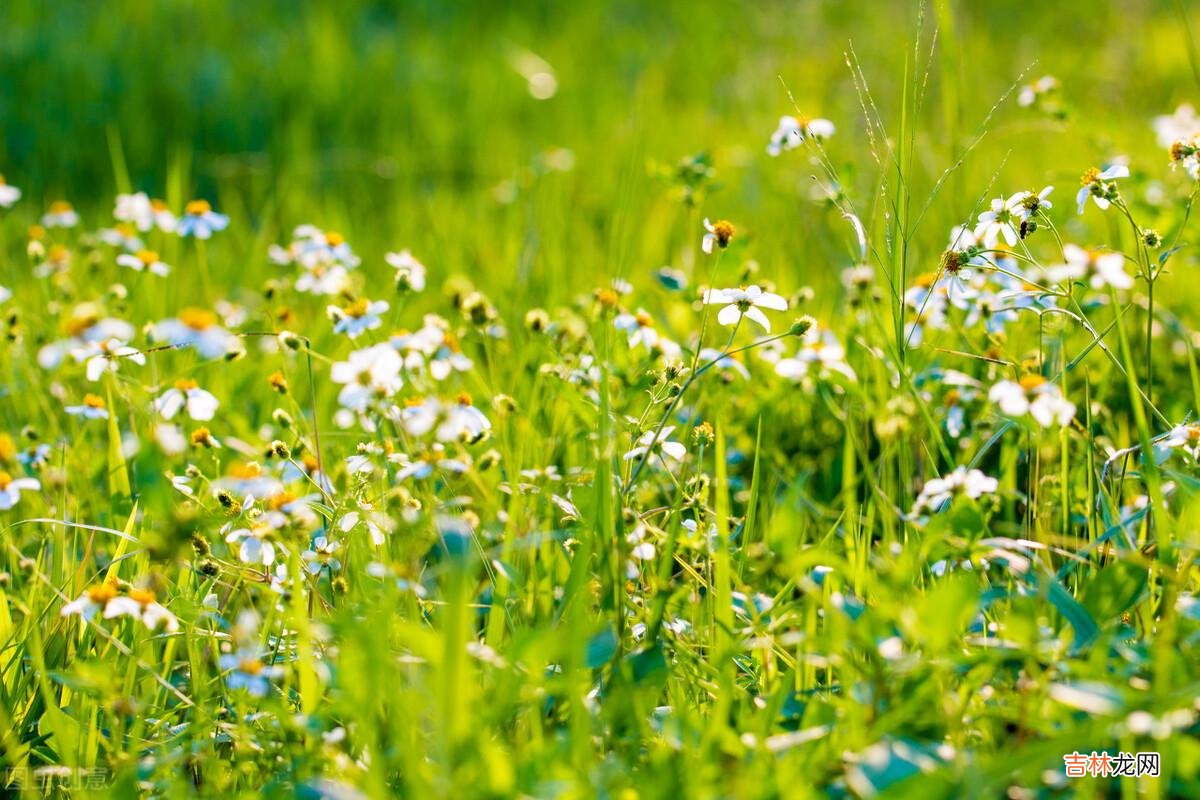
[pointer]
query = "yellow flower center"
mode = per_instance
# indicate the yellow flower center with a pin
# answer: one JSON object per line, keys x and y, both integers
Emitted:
{"x": 334, "y": 239}
{"x": 1031, "y": 382}
{"x": 147, "y": 257}
{"x": 1090, "y": 177}
{"x": 185, "y": 384}
{"x": 463, "y": 399}
{"x": 198, "y": 208}
{"x": 358, "y": 308}
{"x": 251, "y": 666}
{"x": 61, "y": 207}
{"x": 723, "y": 230}
{"x": 248, "y": 470}
{"x": 5, "y": 479}
{"x": 102, "y": 593}
{"x": 280, "y": 500}
{"x": 143, "y": 597}
{"x": 93, "y": 401}
{"x": 198, "y": 319}
{"x": 158, "y": 206}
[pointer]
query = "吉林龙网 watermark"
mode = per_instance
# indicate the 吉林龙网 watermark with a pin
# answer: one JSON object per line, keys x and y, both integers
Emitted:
{"x": 1107, "y": 765}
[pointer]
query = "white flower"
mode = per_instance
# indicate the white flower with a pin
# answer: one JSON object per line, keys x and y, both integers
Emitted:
{"x": 144, "y": 260}
{"x": 143, "y": 213}
{"x": 410, "y": 273}
{"x": 1104, "y": 268}
{"x": 791, "y": 132}
{"x": 938, "y": 491}
{"x": 745, "y": 302}
{"x": 140, "y": 604}
{"x": 199, "y": 220}
{"x": 1002, "y": 219}
{"x": 323, "y": 280}
{"x": 107, "y": 356}
{"x": 1031, "y": 91}
{"x": 451, "y": 422}
{"x": 1182, "y": 125}
{"x": 357, "y": 317}
{"x": 1035, "y": 396}
{"x": 196, "y": 327}
{"x": 367, "y": 374}
{"x": 11, "y": 488}
{"x": 1029, "y": 204}
{"x": 719, "y": 234}
{"x": 201, "y": 405}
{"x": 60, "y": 215}
{"x": 652, "y": 445}
{"x": 1099, "y": 186}
{"x": 638, "y": 329}
{"x": 320, "y": 556}
{"x": 92, "y": 407}
{"x": 9, "y": 194}
{"x": 255, "y": 543}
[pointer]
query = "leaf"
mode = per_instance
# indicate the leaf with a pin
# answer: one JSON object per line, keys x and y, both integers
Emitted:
{"x": 600, "y": 648}
{"x": 62, "y": 730}
{"x": 118, "y": 475}
{"x": 1114, "y": 590}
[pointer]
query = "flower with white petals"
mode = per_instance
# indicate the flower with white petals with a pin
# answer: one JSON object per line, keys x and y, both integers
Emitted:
{"x": 11, "y": 488}
{"x": 1184, "y": 124}
{"x": 144, "y": 260}
{"x": 939, "y": 491}
{"x": 719, "y": 234}
{"x": 9, "y": 194}
{"x": 368, "y": 374}
{"x": 1101, "y": 268}
{"x": 638, "y": 329}
{"x": 198, "y": 328}
{"x": 107, "y": 356}
{"x": 321, "y": 556}
{"x": 61, "y": 214}
{"x": 141, "y": 605}
{"x": 1100, "y": 186}
{"x": 410, "y": 273}
{"x": 1034, "y": 396}
{"x": 1002, "y": 219}
{"x": 358, "y": 317}
{"x": 92, "y": 407}
{"x": 791, "y": 132}
{"x": 200, "y": 404}
{"x": 653, "y": 445}
{"x": 199, "y": 220}
{"x": 745, "y": 302}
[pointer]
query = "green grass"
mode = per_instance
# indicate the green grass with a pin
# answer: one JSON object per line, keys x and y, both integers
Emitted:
{"x": 514, "y": 632}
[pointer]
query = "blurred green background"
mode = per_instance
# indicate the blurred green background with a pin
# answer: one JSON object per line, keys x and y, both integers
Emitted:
{"x": 414, "y": 118}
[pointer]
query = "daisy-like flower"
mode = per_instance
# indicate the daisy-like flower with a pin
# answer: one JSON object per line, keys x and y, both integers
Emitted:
{"x": 459, "y": 421}
{"x": 248, "y": 479}
{"x": 144, "y": 260}
{"x": 247, "y": 670}
{"x": 1101, "y": 268}
{"x": 323, "y": 280}
{"x": 410, "y": 273}
{"x": 1002, "y": 219}
{"x": 1033, "y": 395}
{"x": 638, "y": 328}
{"x": 61, "y": 214}
{"x": 357, "y": 317}
{"x": 11, "y": 488}
{"x": 255, "y": 544}
{"x": 186, "y": 393}
{"x": 367, "y": 374}
{"x": 720, "y": 234}
{"x": 321, "y": 556}
{"x": 9, "y": 194}
{"x": 199, "y": 220}
{"x": 1100, "y": 186}
{"x": 820, "y": 354}
{"x": 939, "y": 491}
{"x": 198, "y": 328}
{"x": 140, "y": 604}
{"x": 95, "y": 599}
{"x": 791, "y": 132}
{"x": 107, "y": 356}
{"x": 423, "y": 465}
{"x": 92, "y": 407}
{"x": 723, "y": 363}
{"x": 1034, "y": 90}
{"x": 123, "y": 235}
{"x": 1029, "y": 205}
{"x": 135, "y": 209}
{"x": 745, "y": 302}
{"x": 1181, "y": 437}
{"x": 652, "y": 445}
{"x": 1184, "y": 124}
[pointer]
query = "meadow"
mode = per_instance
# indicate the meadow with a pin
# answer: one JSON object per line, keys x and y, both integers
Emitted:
{"x": 601, "y": 399}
